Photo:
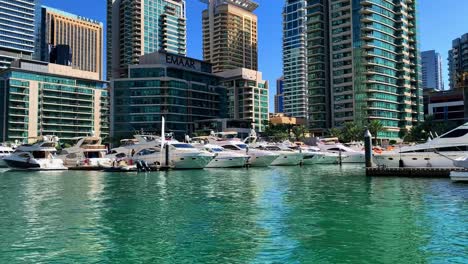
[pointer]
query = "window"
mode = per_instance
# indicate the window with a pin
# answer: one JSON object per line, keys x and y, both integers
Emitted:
{"x": 456, "y": 133}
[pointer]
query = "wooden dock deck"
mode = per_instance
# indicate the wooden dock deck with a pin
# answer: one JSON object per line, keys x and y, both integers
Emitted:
{"x": 412, "y": 172}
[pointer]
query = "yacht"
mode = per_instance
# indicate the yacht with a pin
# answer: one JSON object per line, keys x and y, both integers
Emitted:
{"x": 225, "y": 158}
{"x": 313, "y": 155}
{"x": 286, "y": 156}
{"x": 348, "y": 155}
{"x": 128, "y": 147}
{"x": 181, "y": 156}
{"x": 38, "y": 156}
{"x": 4, "y": 151}
{"x": 257, "y": 158}
{"x": 440, "y": 152}
{"x": 86, "y": 153}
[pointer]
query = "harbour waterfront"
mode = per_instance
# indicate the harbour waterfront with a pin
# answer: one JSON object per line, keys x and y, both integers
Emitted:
{"x": 310, "y": 214}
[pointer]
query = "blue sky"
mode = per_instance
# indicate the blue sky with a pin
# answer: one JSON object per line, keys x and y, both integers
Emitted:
{"x": 440, "y": 21}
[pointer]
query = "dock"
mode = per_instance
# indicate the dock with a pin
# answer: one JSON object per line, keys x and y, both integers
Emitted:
{"x": 412, "y": 172}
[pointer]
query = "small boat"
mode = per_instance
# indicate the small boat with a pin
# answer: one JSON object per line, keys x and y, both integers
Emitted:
{"x": 38, "y": 156}
{"x": 4, "y": 151}
{"x": 225, "y": 158}
{"x": 87, "y": 153}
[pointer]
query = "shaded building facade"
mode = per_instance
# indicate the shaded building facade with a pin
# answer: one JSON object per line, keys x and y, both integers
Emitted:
{"x": 181, "y": 89}
{"x": 431, "y": 65}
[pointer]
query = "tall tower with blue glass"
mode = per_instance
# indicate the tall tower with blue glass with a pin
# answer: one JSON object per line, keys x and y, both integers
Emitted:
{"x": 137, "y": 27}
{"x": 295, "y": 94}
{"x": 363, "y": 64}
{"x": 17, "y": 34}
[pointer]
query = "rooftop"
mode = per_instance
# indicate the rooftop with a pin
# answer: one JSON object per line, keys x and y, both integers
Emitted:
{"x": 248, "y": 5}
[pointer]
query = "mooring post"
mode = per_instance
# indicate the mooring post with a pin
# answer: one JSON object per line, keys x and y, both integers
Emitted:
{"x": 368, "y": 148}
{"x": 167, "y": 156}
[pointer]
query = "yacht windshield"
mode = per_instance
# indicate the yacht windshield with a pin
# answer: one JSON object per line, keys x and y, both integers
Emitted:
{"x": 216, "y": 149}
{"x": 242, "y": 146}
{"x": 186, "y": 146}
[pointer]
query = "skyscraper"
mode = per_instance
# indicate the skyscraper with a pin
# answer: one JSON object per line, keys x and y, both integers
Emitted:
{"x": 431, "y": 63}
{"x": 294, "y": 58}
{"x": 230, "y": 34}
{"x": 279, "y": 96}
{"x": 458, "y": 62}
{"x": 362, "y": 64}
{"x": 17, "y": 20}
{"x": 84, "y": 36}
{"x": 136, "y": 27}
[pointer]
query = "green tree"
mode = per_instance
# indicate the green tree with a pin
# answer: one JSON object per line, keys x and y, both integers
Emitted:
{"x": 352, "y": 132}
{"x": 299, "y": 132}
{"x": 335, "y": 132}
{"x": 375, "y": 127}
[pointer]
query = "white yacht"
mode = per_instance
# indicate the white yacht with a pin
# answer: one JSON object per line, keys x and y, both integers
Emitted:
{"x": 348, "y": 155}
{"x": 128, "y": 147}
{"x": 287, "y": 156}
{"x": 38, "y": 156}
{"x": 225, "y": 158}
{"x": 181, "y": 155}
{"x": 86, "y": 153}
{"x": 440, "y": 152}
{"x": 4, "y": 151}
{"x": 313, "y": 155}
{"x": 257, "y": 158}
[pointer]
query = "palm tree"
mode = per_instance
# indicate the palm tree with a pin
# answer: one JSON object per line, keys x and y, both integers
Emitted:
{"x": 299, "y": 131}
{"x": 375, "y": 126}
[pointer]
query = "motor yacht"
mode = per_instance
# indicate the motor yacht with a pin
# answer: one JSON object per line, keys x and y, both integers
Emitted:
{"x": 38, "y": 156}
{"x": 348, "y": 155}
{"x": 257, "y": 158}
{"x": 4, "y": 151}
{"x": 286, "y": 156}
{"x": 439, "y": 152}
{"x": 128, "y": 147}
{"x": 87, "y": 153}
{"x": 225, "y": 158}
{"x": 181, "y": 155}
{"x": 313, "y": 155}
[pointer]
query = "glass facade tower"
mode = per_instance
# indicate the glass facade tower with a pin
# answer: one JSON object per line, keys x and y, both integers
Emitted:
{"x": 137, "y": 27}
{"x": 294, "y": 58}
{"x": 17, "y": 30}
{"x": 363, "y": 64}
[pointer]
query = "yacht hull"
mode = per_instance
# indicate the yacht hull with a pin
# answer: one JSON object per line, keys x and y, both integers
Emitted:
{"x": 292, "y": 159}
{"x": 33, "y": 164}
{"x": 3, "y": 163}
{"x": 320, "y": 159}
{"x": 227, "y": 162}
{"x": 261, "y": 161}
{"x": 418, "y": 160}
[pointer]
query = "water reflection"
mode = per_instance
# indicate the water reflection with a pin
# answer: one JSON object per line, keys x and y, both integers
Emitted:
{"x": 318, "y": 214}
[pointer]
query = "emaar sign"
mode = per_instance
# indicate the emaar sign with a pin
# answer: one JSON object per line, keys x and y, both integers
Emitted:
{"x": 181, "y": 61}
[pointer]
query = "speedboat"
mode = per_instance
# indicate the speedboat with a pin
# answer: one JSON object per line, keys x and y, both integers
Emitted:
{"x": 38, "y": 156}
{"x": 181, "y": 156}
{"x": 286, "y": 156}
{"x": 87, "y": 153}
{"x": 439, "y": 152}
{"x": 348, "y": 155}
{"x": 225, "y": 158}
{"x": 4, "y": 151}
{"x": 313, "y": 155}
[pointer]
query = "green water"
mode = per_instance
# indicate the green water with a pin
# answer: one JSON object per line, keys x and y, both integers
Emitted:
{"x": 272, "y": 215}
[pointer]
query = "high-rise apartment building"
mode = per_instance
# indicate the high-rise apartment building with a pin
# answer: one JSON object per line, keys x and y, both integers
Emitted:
{"x": 84, "y": 36}
{"x": 230, "y": 34}
{"x": 279, "y": 96}
{"x": 363, "y": 64}
{"x": 136, "y": 27}
{"x": 40, "y": 98}
{"x": 295, "y": 58}
{"x": 247, "y": 96}
{"x": 431, "y": 63}
{"x": 458, "y": 62}
{"x": 18, "y": 29}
